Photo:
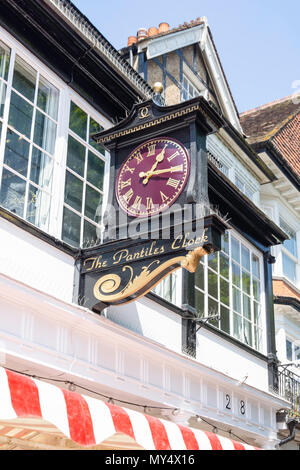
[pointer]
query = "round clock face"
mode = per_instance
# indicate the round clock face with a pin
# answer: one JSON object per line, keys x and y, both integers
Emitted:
{"x": 152, "y": 177}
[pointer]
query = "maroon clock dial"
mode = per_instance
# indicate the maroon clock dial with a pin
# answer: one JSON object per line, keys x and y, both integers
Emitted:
{"x": 152, "y": 177}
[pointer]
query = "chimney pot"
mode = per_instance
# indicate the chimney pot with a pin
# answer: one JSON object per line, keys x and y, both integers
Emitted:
{"x": 152, "y": 31}
{"x": 163, "y": 27}
{"x": 131, "y": 40}
{"x": 142, "y": 33}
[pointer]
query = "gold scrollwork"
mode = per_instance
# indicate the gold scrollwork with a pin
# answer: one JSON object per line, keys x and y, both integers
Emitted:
{"x": 105, "y": 288}
{"x": 144, "y": 112}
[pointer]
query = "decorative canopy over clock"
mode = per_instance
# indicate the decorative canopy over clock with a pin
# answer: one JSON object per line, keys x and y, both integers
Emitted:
{"x": 158, "y": 160}
{"x": 153, "y": 176}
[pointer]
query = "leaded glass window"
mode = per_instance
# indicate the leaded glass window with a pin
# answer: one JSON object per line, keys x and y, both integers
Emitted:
{"x": 84, "y": 184}
{"x": 229, "y": 287}
{"x": 30, "y": 137}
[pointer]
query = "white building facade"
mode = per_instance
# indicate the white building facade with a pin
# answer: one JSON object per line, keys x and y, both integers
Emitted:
{"x": 54, "y": 186}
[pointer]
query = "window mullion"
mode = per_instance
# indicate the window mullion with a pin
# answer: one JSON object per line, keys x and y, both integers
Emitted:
{"x": 6, "y": 108}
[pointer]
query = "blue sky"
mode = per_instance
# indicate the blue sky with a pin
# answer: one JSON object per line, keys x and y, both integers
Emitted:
{"x": 258, "y": 41}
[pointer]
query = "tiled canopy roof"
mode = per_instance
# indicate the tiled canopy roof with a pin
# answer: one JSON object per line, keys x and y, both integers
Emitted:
{"x": 261, "y": 124}
{"x": 276, "y": 124}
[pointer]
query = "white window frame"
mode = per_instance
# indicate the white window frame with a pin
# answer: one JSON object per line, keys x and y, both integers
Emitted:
{"x": 286, "y": 252}
{"x": 60, "y": 153}
{"x": 256, "y": 252}
{"x": 196, "y": 90}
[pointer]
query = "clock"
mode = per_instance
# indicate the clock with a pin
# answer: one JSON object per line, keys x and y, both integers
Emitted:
{"x": 152, "y": 177}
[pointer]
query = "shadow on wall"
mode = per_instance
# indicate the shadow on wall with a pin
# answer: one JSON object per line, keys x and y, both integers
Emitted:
{"x": 126, "y": 316}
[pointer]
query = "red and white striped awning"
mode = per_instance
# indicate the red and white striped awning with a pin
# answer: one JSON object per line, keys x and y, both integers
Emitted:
{"x": 89, "y": 422}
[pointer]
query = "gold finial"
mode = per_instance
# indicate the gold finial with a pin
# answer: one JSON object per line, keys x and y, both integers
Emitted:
{"x": 158, "y": 88}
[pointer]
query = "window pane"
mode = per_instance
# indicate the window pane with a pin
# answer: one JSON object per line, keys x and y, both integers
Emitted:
{"x": 213, "y": 261}
{"x": 237, "y": 327}
{"x": 95, "y": 128}
{"x": 76, "y": 156}
{"x": 291, "y": 244}
{"x": 236, "y": 275}
{"x": 225, "y": 319}
{"x": 71, "y": 228}
{"x": 199, "y": 303}
{"x": 90, "y": 235}
{"x": 289, "y": 350}
{"x": 78, "y": 121}
{"x": 4, "y": 60}
{"x": 44, "y": 132}
{"x": 2, "y": 97}
{"x": 73, "y": 192}
{"x": 224, "y": 265}
{"x": 38, "y": 207}
{"x": 48, "y": 98}
{"x": 235, "y": 249}
{"x": 213, "y": 284}
{"x": 245, "y": 258}
{"x": 236, "y": 298}
{"x": 257, "y": 313}
{"x": 41, "y": 169}
{"x": 225, "y": 242}
{"x": 95, "y": 170}
{"x": 24, "y": 79}
{"x": 257, "y": 338}
{"x": 16, "y": 152}
{"x": 246, "y": 307}
{"x": 199, "y": 276}
{"x": 289, "y": 267}
{"x": 247, "y": 333}
{"x": 213, "y": 309}
{"x": 12, "y": 193}
{"x": 224, "y": 291}
{"x": 255, "y": 266}
{"x": 246, "y": 282}
{"x": 93, "y": 204}
{"x": 20, "y": 114}
{"x": 256, "y": 289}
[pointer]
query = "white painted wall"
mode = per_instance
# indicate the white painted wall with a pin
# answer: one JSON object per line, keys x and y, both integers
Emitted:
{"x": 229, "y": 359}
{"x": 150, "y": 320}
{"x": 158, "y": 324}
{"x": 33, "y": 262}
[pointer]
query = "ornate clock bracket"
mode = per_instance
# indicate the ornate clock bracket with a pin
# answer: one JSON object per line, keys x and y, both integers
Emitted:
{"x": 121, "y": 272}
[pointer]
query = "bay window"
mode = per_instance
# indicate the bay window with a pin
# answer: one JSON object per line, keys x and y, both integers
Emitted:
{"x": 229, "y": 288}
{"x": 51, "y": 170}
{"x": 84, "y": 181}
{"x": 289, "y": 252}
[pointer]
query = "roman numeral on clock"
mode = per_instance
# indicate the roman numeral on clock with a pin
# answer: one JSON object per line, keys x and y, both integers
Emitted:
{"x": 127, "y": 168}
{"x": 172, "y": 182}
{"x": 137, "y": 203}
{"x": 174, "y": 155}
{"x": 139, "y": 158}
{"x": 150, "y": 204}
{"x": 164, "y": 198}
{"x": 124, "y": 184}
{"x": 127, "y": 196}
{"x": 151, "y": 150}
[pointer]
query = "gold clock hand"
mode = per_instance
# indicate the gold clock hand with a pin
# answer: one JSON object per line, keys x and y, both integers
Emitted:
{"x": 159, "y": 158}
{"x": 173, "y": 169}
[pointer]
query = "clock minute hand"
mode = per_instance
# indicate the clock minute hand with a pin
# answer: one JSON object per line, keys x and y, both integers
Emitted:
{"x": 159, "y": 158}
{"x": 173, "y": 169}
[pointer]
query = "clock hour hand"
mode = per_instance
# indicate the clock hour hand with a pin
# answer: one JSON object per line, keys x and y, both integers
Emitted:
{"x": 173, "y": 169}
{"x": 159, "y": 158}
